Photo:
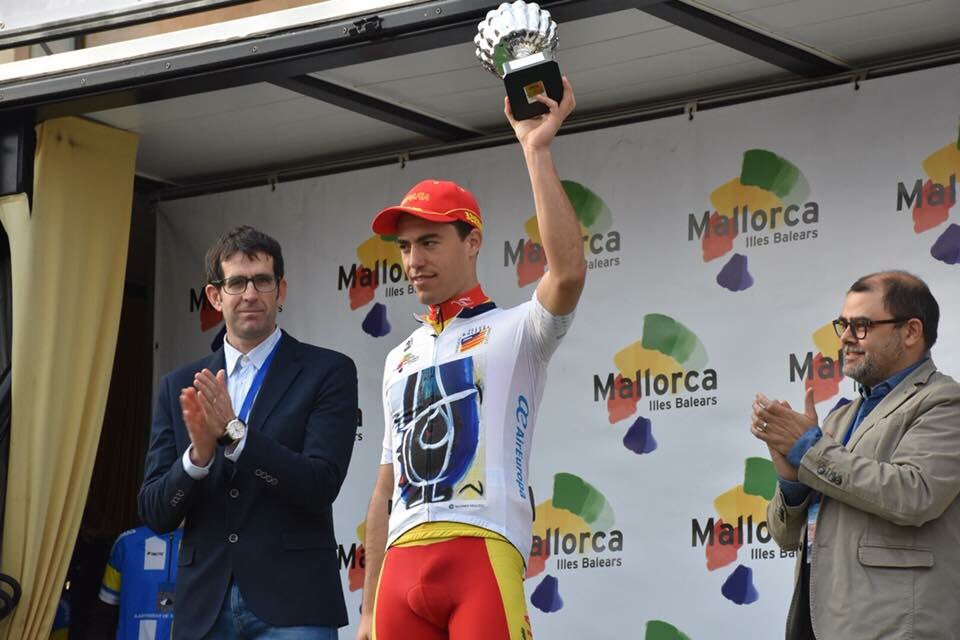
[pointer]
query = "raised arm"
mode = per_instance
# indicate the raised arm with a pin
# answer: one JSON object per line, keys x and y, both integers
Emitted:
{"x": 559, "y": 289}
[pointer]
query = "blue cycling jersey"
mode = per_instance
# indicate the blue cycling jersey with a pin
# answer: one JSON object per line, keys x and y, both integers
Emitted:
{"x": 139, "y": 578}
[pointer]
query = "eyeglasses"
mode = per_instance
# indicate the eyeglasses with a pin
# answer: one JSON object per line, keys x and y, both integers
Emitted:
{"x": 235, "y": 285}
{"x": 860, "y": 326}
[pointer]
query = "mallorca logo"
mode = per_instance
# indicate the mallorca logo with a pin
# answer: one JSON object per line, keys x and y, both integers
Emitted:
{"x": 472, "y": 338}
{"x": 741, "y": 519}
{"x": 378, "y": 265}
{"x": 209, "y": 317}
{"x": 601, "y": 242}
{"x": 669, "y": 360}
{"x": 932, "y": 200}
{"x": 576, "y": 527}
{"x": 353, "y": 559}
{"x": 821, "y": 372}
{"x": 741, "y": 511}
{"x": 764, "y": 205}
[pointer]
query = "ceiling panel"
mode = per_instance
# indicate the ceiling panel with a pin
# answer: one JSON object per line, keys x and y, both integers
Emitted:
{"x": 616, "y": 61}
{"x": 797, "y": 12}
{"x": 619, "y": 85}
{"x": 692, "y": 85}
{"x": 254, "y": 126}
{"x": 735, "y": 6}
{"x": 888, "y": 33}
{"x": 461, "y": 58}
{"x": 213, "y": 103}
{"x": 854, "y": 30}
{"x": 427, "y": 80}
{"x": 612, "y": 60}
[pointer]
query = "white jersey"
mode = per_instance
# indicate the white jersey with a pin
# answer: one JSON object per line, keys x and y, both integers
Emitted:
{"x": 459, "y": 410}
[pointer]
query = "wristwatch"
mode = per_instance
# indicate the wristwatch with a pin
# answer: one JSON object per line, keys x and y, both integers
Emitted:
{"x": 233, "y": 432}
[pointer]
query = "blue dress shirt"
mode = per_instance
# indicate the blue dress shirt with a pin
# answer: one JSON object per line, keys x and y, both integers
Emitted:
{"x": 795, "y": 492}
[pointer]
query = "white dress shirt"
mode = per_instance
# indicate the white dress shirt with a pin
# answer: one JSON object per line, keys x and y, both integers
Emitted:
{"x": 241, "y": 369}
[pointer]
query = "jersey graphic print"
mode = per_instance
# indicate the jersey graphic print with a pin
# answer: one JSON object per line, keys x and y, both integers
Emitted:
{"x": 437, "y": 430}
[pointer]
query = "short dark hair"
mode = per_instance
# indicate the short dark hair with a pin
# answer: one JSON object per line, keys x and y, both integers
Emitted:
{"x": 463, "y": 228}
{"x": 247, "y": 240}
{"x": 904, "y": 296}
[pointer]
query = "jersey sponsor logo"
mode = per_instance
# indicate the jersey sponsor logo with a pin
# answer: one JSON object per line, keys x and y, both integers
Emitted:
{"x": 473, "y": 338}
{"x": 154, "y": 554}
{"x": 436, "y": 422}
{"x": 408, "y": 358}
{"x": 523, "y": 418}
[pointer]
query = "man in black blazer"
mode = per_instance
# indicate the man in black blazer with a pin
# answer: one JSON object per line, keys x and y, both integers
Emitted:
{"x": 249, "y": 448}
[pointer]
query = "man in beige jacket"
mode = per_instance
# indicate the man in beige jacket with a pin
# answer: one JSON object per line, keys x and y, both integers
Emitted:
{"x": 870, "y": 500}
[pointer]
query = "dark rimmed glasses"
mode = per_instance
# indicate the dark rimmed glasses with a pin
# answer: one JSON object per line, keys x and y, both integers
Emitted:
{"x": 235, "y": 285}
{"x": 860, "y": 326}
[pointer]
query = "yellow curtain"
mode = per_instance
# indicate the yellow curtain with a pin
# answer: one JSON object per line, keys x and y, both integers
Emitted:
{"x": 68, "y": 261}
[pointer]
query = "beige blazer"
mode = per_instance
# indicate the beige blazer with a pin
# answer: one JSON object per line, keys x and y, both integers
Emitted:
{"x": 886, "y": 556}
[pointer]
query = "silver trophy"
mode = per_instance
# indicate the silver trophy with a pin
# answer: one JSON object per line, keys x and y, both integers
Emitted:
{"x": 516, "y": 42}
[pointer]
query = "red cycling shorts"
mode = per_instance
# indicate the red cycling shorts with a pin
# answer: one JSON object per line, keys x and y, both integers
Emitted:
{"x": 461, "y": 588}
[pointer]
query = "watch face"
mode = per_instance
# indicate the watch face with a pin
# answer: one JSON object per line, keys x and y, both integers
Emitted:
{"x": 235, "y": 429}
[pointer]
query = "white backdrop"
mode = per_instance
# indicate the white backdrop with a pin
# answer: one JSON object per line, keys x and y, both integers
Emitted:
{"x": 838, "y": 154}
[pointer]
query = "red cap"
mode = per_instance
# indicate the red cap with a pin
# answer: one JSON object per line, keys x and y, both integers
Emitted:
{"x": 433, "y": 200}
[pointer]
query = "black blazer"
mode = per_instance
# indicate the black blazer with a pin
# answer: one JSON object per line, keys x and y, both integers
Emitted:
{"x": 266, "y": 519}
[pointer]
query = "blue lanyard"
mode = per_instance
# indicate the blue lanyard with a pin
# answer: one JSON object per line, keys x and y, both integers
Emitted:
{"x": 256, "y": 384}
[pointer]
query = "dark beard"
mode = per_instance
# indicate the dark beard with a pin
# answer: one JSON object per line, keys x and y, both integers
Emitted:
{"x": 865, "y": 372}
{"x": 869, "y": 372}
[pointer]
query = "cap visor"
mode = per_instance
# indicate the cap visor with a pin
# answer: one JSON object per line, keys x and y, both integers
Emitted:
{"x": 385, "y": 222}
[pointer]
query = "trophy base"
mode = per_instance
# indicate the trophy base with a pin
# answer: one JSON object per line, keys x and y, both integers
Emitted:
{"x": 524, "y": 78}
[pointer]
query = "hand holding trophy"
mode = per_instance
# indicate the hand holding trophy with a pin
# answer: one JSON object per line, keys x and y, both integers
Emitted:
{"x": 516, "y": 42}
